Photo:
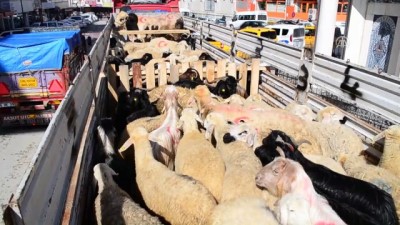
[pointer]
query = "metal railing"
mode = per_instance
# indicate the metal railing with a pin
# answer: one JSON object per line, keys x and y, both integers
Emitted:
{"x": 371, "y": 100}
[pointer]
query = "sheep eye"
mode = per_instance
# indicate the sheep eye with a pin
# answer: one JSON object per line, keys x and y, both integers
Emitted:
{"x": 223, "y": 89}
{"x": 230, "y": 122}
{"x": 241, "y": 121}
{"x": 135, "y": 99}
{"x": 192, "y": 78}
{"x": 275, "y": 172}
{"x": 243, "y": 133}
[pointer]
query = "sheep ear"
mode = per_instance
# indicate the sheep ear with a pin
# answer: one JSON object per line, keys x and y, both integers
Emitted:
{"x": 209, "y": 131}
{"x": 250, "y": 140}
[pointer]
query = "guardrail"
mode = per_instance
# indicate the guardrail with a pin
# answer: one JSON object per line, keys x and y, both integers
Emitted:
{"x": 370, "y": 101}
{"x": 44, "y": 186}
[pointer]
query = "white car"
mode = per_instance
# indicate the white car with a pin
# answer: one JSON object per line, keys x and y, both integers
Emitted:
{"x": 242, "y": 17}
{"x": 289, "y": 34}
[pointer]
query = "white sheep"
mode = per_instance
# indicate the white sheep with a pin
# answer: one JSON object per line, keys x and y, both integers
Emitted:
{"x": 113, "y": 205}
{"x": 196, "y": 157}
{"x": 149, "y": 123}
{"x": 165, "y": 139}
{"x": 179, "y": 199}
{"x": 391, "y": 152}
{"x": 302, "y": 111}
{"x": 244, "y": 210}
{"x": 330, "y": 114}
{"x": 299, "y": 203}
{"x": 240, "y": 162}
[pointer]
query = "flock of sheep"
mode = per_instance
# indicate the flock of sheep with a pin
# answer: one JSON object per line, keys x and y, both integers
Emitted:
{"x": 192, "y": 154}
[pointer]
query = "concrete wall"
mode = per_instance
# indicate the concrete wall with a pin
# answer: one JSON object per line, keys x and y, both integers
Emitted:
{"x": 360, "y": 29}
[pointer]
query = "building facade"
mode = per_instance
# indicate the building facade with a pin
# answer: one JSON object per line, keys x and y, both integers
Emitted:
{"x": 374, "y": 34}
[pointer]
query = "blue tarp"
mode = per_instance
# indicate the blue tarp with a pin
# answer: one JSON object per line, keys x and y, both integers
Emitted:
{"x": 36, "y": 51}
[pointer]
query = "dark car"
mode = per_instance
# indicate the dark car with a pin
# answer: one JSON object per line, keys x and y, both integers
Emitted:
{"x": 287, "y": 22}
{"x": 253, "y": 24}
{"x": 221, "y": 22}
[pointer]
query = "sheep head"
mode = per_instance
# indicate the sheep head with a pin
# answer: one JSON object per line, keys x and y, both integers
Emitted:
{"x": 392, "y": 134}
{"x": 212, "y": 121}
{"x": 170, "y": 96}
{"x": 189, "y": 119}
{"x": 120, "y": 20}
{"x": 103, "y": 174}
{"x": 242, "y": 132}
{"x": 330, "y": 114}
{"x": 279, "y": 177}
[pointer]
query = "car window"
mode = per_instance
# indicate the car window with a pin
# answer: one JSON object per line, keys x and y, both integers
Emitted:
{"x": 285, "y": 31}
{"x": 76, "y": 18}
{"x": 278, "y": 31}
{"x": 298, "y": 32}
{"x": 309, "y": 32}
{"x": 269, "y": 34}
{"x": 43, "y": 25}
{"x": 234, "y": 18}
{"x": 262, "y": 17}
{"x": 52, "y": 24}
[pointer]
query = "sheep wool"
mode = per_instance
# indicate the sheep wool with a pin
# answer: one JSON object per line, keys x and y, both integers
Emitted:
{"x": 391, "y": 152}
{"x": 244, "y": 210}
{"x": 196, "y": 157}
{"x": 241, "y": 164}
{"x": 381, "y": 177}
{"x": 302, "y": 111}
{"x": 327, "y": 162}
{"x": 113, "y": 205}
{"x": 329, "y": 114}
{"x": 179, "y": 199}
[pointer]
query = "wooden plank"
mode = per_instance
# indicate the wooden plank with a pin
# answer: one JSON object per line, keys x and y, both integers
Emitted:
{"x": 198, "y": 65}
{"x": 162, "y": 73}
{"x": 174, "y": 74}
{"x": 243, "y": 75}
{"x": 232, "y": 69}
{"x": 137, "y": 75}
{"x": 255, "y": 76}
{"x": 210, "y": 71}
{"x": 124, "y": 77}
{"x": 131, "y": 32}
{"x": 112, "y": 81}
{"x": 150, "y": 77}
{"x": 221, "y": 68}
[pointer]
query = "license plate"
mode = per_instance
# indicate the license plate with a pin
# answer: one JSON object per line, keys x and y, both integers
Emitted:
{"x": 27, "y": 82}
{"x": 7, "y": 104}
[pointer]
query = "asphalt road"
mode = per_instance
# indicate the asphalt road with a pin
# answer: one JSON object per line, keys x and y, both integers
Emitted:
{"x": 19, "y": 145}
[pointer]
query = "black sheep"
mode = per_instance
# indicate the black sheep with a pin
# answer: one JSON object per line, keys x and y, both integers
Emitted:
{"x": 189, "y": 79}
{"x": 355, "y": 201}
{"x": 225, "y": 88}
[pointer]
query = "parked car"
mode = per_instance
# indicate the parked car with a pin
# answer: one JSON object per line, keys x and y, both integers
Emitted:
{"x": 80, "y": 20}
{"x": 91, "y": 17}
{"x": 253, "y": 23}
{"x": 262, "y": 32}
{"x": 244, "y": 16}
{"x": 292, "y": 35}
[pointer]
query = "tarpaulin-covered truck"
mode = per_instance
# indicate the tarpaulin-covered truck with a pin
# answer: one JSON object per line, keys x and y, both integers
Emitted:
{"x": 36, "y": 70}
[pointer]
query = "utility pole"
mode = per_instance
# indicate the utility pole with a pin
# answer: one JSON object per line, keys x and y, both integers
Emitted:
{"x": 23, "y": 14}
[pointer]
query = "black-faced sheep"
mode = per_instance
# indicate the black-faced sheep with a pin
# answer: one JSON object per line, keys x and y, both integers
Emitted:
{"x": 356, "y": 201}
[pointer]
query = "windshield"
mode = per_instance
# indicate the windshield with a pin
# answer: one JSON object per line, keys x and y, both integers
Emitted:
{"x": 76, "y": 18}
{"x": 269, "y": 34}
{"x": 299, "y": 32}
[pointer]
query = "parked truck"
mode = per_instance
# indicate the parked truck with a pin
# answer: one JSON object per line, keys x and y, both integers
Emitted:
{"x": 36, "y": 70}
{"x": 59, "y": 189}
